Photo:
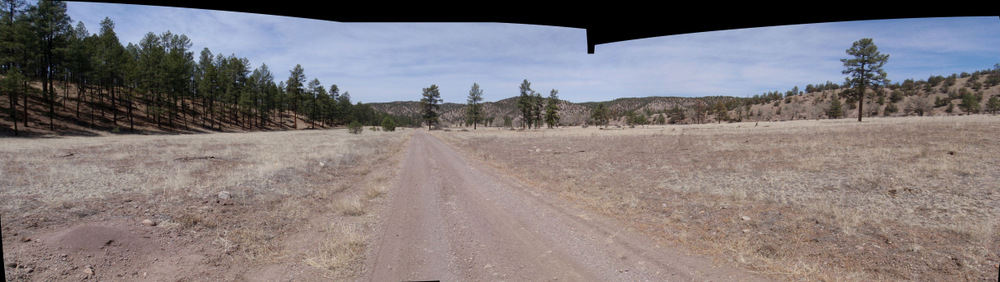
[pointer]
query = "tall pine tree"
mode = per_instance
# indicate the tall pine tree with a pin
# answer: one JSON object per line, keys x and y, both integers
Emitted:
{"x": 864, "y": 70}
{"x": 430, "y": 104}
{"x": 552, "y": 109}
{"x": 474, "y": 111}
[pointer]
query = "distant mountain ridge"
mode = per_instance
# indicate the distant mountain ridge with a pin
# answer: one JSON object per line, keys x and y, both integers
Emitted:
{"x": 899, "y": 99}
{"x": 937, "y": 95}
{"x": 453, "y": 114}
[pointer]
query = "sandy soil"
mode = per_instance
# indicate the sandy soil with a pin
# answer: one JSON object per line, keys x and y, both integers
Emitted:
{"x": 454, "y": 219}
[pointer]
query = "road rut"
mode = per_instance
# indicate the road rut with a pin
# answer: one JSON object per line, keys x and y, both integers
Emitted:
{"x": 453, "y": 219}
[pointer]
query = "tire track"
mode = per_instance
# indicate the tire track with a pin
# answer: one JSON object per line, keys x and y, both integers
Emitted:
{"x": 453, "y": 219}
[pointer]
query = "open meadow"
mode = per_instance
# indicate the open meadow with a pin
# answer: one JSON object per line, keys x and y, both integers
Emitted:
{"x": 886, "y": 199}
{"x": 910, "y": 198}
{"x": 280, "y": 205}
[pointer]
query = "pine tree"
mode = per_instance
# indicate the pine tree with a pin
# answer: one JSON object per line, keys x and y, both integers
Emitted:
{"x": 474, "y": 112}
{"x": 552, "y": 109}
{"x": 295, "y": 91}
{"x": 12, "y": 83}
{"x": 836, "y": 110}
{"x": 538, "y": 106}
{"x": 864, "y": 70}
{"x": 52, "y": 27}
{"x": 315, "y": 97}
{"x": 970, "y": 103}
{"x": 388, "y": 124}
{"x": 600, "y": 115}
{"x": 721, "y": 113}
{"x": 429, "y": 105}
{"x": 524, "y": 103}
{"x": 993, "y": 105}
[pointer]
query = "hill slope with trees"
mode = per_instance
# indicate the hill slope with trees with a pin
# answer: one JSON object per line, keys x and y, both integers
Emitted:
{"x": 58, "y": 78}
{"x": 956, "y": 94}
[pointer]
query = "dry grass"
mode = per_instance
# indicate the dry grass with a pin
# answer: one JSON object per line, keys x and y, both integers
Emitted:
{"x": 276, "y": 182}
{"x": 889, "y": 198}
{"x": 341, "y": 254}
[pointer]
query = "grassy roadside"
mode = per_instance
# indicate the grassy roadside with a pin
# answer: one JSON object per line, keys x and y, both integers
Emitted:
{"x": 887, "y": 199}
{"x": 245, "y": 197}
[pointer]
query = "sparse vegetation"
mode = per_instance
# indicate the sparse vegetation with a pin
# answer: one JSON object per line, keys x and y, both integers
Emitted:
{"x": 600, "y": 115}
{"x": 902, "y": 199}
{"x": 355, "y": 127}
{"x": 918, "y": 106}
{"x": 388, "y": 124}
{"x": 836, "y": 110}
{"x": 993, "y": 105}
{"x": 243, "y": 199}
{"x": 797, "y": 200}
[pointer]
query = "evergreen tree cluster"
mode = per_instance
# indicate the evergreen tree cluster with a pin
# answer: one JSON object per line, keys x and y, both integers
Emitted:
{"x": 535, "y": 109}
{"x": 159, "y": 76}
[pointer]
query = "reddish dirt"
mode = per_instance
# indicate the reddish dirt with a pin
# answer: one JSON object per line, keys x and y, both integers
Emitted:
{"x": 455, "y": 219}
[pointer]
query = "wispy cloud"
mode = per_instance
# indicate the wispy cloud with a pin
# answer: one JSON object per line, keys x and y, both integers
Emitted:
{"x": 379, "y": 62}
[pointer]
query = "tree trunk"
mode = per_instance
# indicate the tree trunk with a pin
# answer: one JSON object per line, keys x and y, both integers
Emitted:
{"x": 100, "y": 98}
{"x": 13, "y": 109}
{"x": 861, "y": 102}
{"x": 79, "y": 98}
{"x": 114, "y": 108}
{"x": 52, "y": 107}
{"x": 131, "y": 124}
{"x": 25, "y": 86}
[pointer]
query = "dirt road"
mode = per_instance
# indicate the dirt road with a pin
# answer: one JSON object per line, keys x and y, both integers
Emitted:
{"x": 454, "y": 219}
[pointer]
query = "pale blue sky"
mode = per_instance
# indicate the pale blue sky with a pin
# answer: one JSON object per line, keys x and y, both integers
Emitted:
{"x": 381, "y": 62}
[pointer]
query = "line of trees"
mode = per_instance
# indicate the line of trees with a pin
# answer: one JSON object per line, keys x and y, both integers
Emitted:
{"x": 158, "y": 76}
{"x": 535, "y": 109}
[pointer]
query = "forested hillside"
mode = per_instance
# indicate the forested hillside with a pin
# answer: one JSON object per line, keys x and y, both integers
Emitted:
{"x": 58, "y": 77}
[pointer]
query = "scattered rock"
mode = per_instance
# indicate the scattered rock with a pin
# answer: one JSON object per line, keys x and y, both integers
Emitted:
{"x": 25, "y": 239}
{"x": 745, "y": 218}
{"x": 89, "y": 270}
{"x": 224, "y": 195}
{"x": 148, "y": 222}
